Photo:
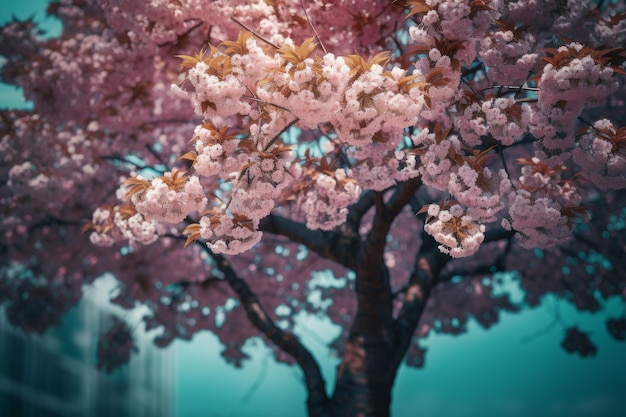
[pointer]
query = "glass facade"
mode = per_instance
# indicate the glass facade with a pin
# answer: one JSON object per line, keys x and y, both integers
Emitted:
{"x": 54, "y": 375}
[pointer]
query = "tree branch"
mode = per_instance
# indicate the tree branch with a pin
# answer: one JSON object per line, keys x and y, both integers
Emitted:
{"x": 256, "y": 35}
{"x": 358, "y": 210}
{"x": 384, "y": 217}
{"x": 374, "y": 317}
{"x": 287, "y": 342}
{"x": 498, "y": 265}
{"x": 429, "y": 262}
{"x": 498, "y": 233}
{"x": 333, "y": 245}
{"x": 402, "y": 196}
{"x": 317, "y": 35}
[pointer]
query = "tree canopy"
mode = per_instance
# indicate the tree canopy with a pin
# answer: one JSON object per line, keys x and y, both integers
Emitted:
{"x": 384, "y": 163}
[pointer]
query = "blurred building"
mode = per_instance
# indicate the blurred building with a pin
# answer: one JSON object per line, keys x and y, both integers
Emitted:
{"x": 54, "y": 375}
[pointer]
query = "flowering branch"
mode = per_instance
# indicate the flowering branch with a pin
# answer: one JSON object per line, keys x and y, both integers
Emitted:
{"x": 240, "y": 23}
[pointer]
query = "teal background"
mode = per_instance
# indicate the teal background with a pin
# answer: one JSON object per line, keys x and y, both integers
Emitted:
{"x": 497, "y": 372}
{"x": 515, "y": 369}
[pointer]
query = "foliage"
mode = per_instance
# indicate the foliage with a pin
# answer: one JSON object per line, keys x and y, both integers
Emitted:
{"x": 222, "y": 157}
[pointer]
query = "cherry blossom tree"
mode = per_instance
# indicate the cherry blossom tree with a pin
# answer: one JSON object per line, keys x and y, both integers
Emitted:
{"x": 385, "y": 164}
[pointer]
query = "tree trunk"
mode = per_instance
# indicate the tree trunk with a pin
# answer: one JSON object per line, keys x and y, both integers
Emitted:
{"x": 370, "y": 358}
{"x": 377, "y": 341}
{"x": 364, "y": 379}
{"x": 364, "y": 382}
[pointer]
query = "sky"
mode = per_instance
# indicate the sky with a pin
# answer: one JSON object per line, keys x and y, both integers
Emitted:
{"x": 482, "y": 373}
{"x": 497, "y": 372}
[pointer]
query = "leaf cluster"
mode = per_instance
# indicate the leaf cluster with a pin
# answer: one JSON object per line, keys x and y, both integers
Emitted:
{"x": 297, "y": 59}
{"x": 607, "y": 57}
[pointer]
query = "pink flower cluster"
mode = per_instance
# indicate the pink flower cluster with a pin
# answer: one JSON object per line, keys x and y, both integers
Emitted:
{"x": 480, "y": 191}
{"x": 312, "y": 89}
{"x": 256, "y": 90}
{"x": 544, "y": 207}
{"x": 453, "y": 20}
{"x": 449, "y": 34}
{"x": 227, "y": 233}
{"x": 375, "y": 103}
{"x": 256, "y": 172}
{"x": 112, "y": 224}
{"x": 571, "y": 80}
{"x": 169, "y": 203}
{"x": 509, "y": 55}
{"x": 502, "y": 118}
{"x": 325, "y": 203}
{"x": 458, "y": 234}
{"x": 436, "y": 162}
{"x": 216, "y": 95}
{"x": 601, "y": 154}
{"x": 538, "y": 220}
{"x": 266, "y": 175}
{"x": 380, "y": 168}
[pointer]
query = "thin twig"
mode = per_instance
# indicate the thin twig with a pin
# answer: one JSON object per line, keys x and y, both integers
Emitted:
{"x": 258, "y": 100}
{"x": 271, "y": 142}
{"x": 256, "y": 384}
{"x": 464, "y": 81}
{"x": 384, "y": 10}
{"x": 284, "y": 129}
{"x": 511, "y": 87}
{"x": 179, "y": 37}
{"x": 156, "y": 155}
{"x": 270, "y": 43}
{"x": 317, "y": 35}
{"x": 506, "y": 167}
{"x": 540, "y": 332}
{"x": 587, "y": 123}
{"x": 136, "y": 165}
{"x": 526, "y": 100}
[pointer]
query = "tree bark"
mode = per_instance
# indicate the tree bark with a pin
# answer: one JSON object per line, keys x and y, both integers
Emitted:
{"x": 364, "y": 379}
{"x": 377, "y": 341}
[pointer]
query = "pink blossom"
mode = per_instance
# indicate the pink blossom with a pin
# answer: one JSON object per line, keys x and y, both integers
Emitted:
{"x": 457, "y": 233}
